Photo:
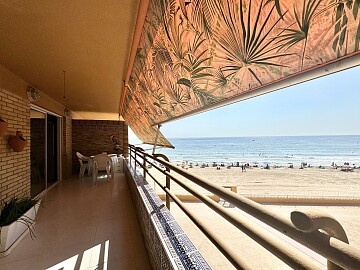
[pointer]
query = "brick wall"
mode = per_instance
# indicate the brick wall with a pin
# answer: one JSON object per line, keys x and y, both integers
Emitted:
{"x": 67, "y": 147}
{"x": 14, "y": 166}
{"x": 91, "y": 137}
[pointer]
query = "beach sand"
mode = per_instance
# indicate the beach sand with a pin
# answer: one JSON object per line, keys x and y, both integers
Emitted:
{"x": 274, "y": 183}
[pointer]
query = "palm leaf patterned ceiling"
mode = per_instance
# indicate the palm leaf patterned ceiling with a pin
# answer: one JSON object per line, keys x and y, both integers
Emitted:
{"x": 194, "y": 54}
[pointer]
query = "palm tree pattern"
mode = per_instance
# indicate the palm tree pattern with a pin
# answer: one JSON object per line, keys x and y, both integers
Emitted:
{"x": 196, "y": 53}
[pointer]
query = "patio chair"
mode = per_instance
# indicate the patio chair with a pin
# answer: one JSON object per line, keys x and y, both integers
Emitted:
{"x": 102, "y": 162}
{"x": 85, "y": 163}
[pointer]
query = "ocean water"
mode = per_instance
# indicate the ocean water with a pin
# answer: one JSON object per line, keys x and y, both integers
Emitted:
{"x": 276, "y": 150}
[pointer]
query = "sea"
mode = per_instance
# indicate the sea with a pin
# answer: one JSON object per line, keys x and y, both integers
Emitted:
{"x": 273, "y": 150}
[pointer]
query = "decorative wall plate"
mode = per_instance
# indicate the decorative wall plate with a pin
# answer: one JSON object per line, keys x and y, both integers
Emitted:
{"x": 33, "y": 94}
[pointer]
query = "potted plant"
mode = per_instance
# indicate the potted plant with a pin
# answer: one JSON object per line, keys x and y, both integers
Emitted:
{"x": 17, "y": 218}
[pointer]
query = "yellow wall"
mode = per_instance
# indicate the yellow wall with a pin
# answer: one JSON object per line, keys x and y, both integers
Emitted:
{"x": 18, "y": 86}
{"x": 15, "y": 110}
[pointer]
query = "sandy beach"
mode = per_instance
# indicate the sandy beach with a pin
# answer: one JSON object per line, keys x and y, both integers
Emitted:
{"x": 277, "y": 182}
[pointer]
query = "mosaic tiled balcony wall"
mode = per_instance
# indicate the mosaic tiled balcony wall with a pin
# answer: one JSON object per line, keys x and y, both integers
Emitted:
{"x": 167, "y": 244}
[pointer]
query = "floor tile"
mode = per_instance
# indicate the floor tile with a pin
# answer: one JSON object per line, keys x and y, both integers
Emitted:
{"x": 91, "y": 226}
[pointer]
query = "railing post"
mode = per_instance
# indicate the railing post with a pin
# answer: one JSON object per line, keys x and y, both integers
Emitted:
{"x": 144, "y": 164}
{"x": 139, "y": 149}
{"x": 168, "y": 187}
{"x": 130, "y": 150}
{"x": 315, "y": 219}
{"x": 167, "y": 179}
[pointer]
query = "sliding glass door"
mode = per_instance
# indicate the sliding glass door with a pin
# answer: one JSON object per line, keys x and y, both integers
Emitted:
{"x": 44, "y": 150}
{"x": 52, "y": 149}
{"x": 37, "y": 152}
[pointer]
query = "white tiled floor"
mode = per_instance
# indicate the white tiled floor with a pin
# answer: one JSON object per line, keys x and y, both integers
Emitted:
{"x": 83, "y": 225}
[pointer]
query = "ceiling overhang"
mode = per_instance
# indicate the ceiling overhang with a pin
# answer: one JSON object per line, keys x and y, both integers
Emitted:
{"x": 198, "y": 55}
{"x": 89, "y": 40}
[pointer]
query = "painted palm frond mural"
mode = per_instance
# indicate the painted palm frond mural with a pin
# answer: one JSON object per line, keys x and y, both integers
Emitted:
{"x": 194, "y": 54}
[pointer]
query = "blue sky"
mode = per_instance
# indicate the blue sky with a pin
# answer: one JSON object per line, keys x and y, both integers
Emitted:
{"x": 326, "y": 106}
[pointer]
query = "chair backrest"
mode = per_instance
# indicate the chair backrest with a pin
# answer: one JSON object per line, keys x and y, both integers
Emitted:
{"x": 102, "y": 161}
{"x": 82, "y": 157}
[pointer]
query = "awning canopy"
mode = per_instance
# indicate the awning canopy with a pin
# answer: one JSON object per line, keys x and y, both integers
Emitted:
{"x": 200, "y": 54}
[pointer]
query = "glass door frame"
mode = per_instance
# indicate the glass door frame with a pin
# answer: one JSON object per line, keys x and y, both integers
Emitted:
{"x": 59, "y": 143}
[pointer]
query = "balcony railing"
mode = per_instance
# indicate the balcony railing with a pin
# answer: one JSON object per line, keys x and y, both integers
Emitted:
{"x": 316, "y": 230}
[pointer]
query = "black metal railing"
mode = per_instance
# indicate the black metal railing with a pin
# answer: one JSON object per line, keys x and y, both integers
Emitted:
{"x": 316, "y": 230}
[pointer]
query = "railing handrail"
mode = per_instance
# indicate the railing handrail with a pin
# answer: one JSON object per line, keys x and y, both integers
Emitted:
{"x": 335, "y": 250}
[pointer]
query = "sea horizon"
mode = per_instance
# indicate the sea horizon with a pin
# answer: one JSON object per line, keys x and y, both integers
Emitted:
{"x": 259, "y": 136}
{"x": 314, "y": 150}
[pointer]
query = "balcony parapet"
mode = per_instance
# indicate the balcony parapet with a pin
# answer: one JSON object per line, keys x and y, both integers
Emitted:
{"x": 324, "y": 241}
{"x": 167, "y": 244}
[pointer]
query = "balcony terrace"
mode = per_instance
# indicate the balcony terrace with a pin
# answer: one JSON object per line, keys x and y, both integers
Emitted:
{"x": 74, "y": 75}
{"x": 83, "y": 225}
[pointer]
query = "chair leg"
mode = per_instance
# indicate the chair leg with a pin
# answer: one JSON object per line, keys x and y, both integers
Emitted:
{"x": 112, "y": 170}
{"x": 108, "y": 173}
{"x": 95, "y": 171}
{"x": 89, "y": 167}
{"x": 82, "y": 171}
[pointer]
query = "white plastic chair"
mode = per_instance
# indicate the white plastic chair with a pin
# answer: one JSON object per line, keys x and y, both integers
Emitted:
{"x": 85, "y": 163}
{"x": 102, "y": 162}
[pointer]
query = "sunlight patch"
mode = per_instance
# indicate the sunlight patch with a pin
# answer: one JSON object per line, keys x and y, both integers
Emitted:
{"x": 68, "y": 264}
{"x": 90, "y": 260}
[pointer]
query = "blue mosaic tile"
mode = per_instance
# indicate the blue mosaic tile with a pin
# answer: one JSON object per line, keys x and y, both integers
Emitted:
{"x": 141, "y": 193}
{"x": 192, "y": 261}
{"x": 150, "y": 200}
{"x": 179, "y": 245}
{"x": 149, "y": 206}
{"x": 157, "y": 200}
{"x": 162, "y": 218}
{"x": 137, "y": 180}
{"x": 165, "y": 216}
{"x": 169, "y": 229}
{"x": 147, "y": 186}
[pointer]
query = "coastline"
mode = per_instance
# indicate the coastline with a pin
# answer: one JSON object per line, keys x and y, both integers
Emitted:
{"x": 278, "y": 151}
{"x": 313, "y": 182}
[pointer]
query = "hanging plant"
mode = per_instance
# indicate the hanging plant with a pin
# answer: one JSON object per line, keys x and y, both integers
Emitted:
{"x": 3, "y": 126}
{"x": 17, "y": 142}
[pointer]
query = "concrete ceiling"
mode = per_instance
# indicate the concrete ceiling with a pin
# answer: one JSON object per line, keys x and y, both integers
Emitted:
{"x": 90, "y": 40}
